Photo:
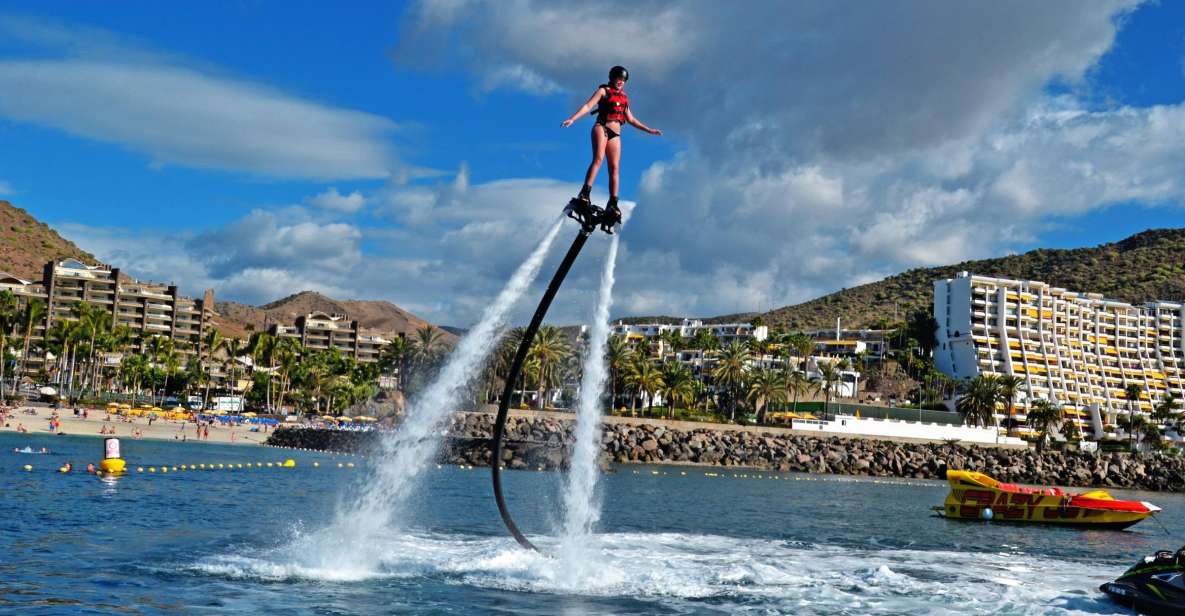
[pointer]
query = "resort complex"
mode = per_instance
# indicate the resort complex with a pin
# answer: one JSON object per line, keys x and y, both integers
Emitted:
{"x": 318, "y": 331}
{"x": 1082, "y": 352}
{"x": 146, "y": 308}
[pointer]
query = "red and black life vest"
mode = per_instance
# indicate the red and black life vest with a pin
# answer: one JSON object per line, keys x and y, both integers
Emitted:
{"x": 612, "y": 106}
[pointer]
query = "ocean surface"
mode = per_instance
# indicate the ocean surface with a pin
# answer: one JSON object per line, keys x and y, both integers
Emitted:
{"x": 240, "y": 542}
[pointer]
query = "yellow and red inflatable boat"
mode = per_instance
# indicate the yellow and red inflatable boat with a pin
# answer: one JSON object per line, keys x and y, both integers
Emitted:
{"x": 975, "y": 496}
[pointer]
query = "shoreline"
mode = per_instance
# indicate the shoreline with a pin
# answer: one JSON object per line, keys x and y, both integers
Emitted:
{"x": 534, "y": 443}
{"x": 175, "y": 431}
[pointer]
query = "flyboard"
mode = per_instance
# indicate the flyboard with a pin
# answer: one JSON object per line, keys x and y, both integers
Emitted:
{"x": 590, "y": 217}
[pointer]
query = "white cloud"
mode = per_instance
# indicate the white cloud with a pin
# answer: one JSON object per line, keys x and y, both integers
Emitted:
{"x": 182, "y": 114}
{"x": 820, "y": 146}
{"x": 333, "y": 200}
{"x": 5, "y": 189}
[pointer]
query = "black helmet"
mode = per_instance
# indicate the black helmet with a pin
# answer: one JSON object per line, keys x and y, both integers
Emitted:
{"x": 618, "y": 72}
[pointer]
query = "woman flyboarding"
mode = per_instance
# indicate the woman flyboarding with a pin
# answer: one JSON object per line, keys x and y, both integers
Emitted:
{"x": 612, "y": 108}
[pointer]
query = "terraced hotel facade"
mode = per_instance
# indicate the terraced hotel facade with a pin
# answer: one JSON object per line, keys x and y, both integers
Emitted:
{"x": 1078, "y": 350}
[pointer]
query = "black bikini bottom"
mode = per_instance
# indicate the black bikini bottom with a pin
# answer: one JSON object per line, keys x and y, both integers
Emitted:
{"x": 609, "y": 132}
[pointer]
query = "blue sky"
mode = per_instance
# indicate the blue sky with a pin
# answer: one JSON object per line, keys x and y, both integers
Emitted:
{"x": 412, "y": 152}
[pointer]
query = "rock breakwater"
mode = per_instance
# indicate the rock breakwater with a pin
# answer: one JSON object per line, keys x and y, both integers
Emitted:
{"x": 543, "y": 443}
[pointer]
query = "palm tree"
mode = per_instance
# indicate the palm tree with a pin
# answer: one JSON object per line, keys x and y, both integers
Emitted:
{"x": 979, "y": 399}
{"x": 8, "y": 318}
{"x": 1042, "y": 414}
{"x": 677, "y": 385}
{"x": 1132, "y": 393}
{"x": 829, "y": 377}
{"x": 732, "y": 371}
{"x": 801, "y": 346}
{"x": 1007, "y": 388}
{"x": 765, "y": 387}
{"x": 211, "y": 344}
{"x": 29, "y": 318}
{"x": 288, "y": 350}
{"x": 1166, "y": 410}
{"x": 392, "y": 357}
{"x": 645, "y": 380}
{"x": 672, "y": 340}
{"x": 234, "y": 350}
{"x": 617, "y": 354}
{"x": 549, "y": 347}
{"x": 799, "y": 384}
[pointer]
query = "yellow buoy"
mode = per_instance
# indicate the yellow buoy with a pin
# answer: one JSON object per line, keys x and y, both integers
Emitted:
{"x": 28, "y": 467}
{"x": 240, "y": 465}
{"x": 350, "y": 464}
{"x": 269, "y": 464}
{"x": 339, "y": 464}
{"x": 152, "y": 469}
{"x": 289, "y": 463}
{"x": 164, "y": 469}
{"x": 139, "y": 469}
{"x": 316, "y": 464}
{"x": 219, "y": 465}
{"x": 112, "y": 463}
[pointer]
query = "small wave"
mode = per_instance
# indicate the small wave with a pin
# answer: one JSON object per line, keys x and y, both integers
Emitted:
{"x": 673, "y": 568}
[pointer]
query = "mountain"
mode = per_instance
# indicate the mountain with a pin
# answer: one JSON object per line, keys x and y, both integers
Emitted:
{"x": 1147, "y": 266}
{"x": 239, "y": 320}
{"x": 27, "y": 244}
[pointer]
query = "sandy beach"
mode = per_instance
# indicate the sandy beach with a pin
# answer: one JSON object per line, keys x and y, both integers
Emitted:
{"x": 36, "y": 420}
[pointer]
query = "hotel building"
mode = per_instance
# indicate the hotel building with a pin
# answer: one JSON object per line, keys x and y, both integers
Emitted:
{"x": 148, "y": 309}
{"x": 725, "y": 333}
{"x": 1077, "y": 350}
{"x": 319, "y": 331}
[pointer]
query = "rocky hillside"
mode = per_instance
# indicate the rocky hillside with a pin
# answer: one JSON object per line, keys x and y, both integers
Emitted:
{"x": 1146, "y": 266}
{"x": 27, "y": 244}
{"x": 239, "y": 320}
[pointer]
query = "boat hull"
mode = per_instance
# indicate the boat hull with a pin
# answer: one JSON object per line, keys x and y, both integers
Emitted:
{"x": 974, "y": 496}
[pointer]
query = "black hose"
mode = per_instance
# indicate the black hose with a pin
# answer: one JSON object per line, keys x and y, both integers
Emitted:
{"x": 512, "y": 379}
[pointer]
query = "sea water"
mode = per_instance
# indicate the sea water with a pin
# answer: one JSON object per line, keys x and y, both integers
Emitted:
{"x": 671, "y": 540}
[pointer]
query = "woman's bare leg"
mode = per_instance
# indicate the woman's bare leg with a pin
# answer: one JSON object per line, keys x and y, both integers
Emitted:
{"x": 598, "y": 154}
{"x": 613, "y": 153}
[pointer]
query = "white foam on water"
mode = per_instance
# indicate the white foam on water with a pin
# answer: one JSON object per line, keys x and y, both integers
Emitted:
{"x": 347, "y": 547}
{"x": 581, "y": 507}
{"x": 683, "y": 571}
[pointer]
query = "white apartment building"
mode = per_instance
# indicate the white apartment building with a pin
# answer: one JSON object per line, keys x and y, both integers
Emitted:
{"x": 726, "y": 333}
{"x": 1078, "y": 350}
{"x": 319, "y": 331}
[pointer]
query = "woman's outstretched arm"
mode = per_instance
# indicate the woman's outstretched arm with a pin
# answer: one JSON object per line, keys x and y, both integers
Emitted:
{"x": 587, "y": 107}
{"x": 636, "y": 123}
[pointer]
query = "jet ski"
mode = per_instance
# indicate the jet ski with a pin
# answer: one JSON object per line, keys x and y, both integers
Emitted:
{"x": 1153, "y": 586}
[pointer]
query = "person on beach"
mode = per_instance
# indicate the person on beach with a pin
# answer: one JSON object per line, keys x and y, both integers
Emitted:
{"x": 612, "y": 108}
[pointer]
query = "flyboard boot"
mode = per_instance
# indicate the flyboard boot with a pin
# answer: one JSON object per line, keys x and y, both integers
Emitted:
{"x": 584, "y": 212}
{"x": 610, "y": 217}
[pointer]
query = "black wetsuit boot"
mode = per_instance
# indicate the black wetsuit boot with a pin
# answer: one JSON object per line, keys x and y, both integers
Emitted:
{"x": 611, "y": 217}
{"x": 581, "y": 209}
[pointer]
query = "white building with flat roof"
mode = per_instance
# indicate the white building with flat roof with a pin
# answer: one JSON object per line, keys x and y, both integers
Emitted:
{"x": 1077, "y": 350}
